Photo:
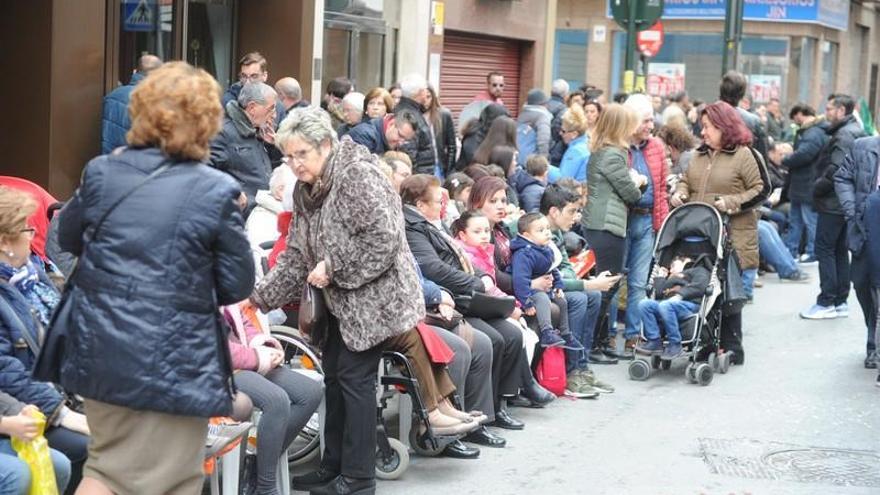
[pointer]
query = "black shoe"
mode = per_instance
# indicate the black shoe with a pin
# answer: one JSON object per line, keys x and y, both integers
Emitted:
{"x": 536, "y": 393}
{"x": 506, "y": 421}
{"x": 612, "y": 353}
{"x": 458, "y": 450}
{"x": 520, "y": 401}
{"x": 482, "y": 436}
{"x": 599, "y": 357}
{"x": 343, "y": 485}
{"x": 314, "y": 479}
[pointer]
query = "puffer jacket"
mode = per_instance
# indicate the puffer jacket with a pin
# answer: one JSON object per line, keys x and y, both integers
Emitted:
{"x": 734, "y": 175}
{"x": 115, "y": 121}
{"x": 359, "y": 232}
{"x": 150, "y": 283}
{"x": 237, "y": 151}
{"x": 540, "y": 120}
{"x": 655, "y": 156}
{"x": 370, "y": 133}
{"x": 854, "y": 181}
{"x": 17, "y": 358}
{"x": 801, "y": 165}
{"x": 610, "y": 191}
{"x": 556, "y": 106}
{"x": 420, "y": 149}
{"x": 529, "y": 190}
{"x": 577, "y": 156}
{"x": 437, "y": 258}
{"x": 843, "y": 135}
{"x": 530, "y": 261}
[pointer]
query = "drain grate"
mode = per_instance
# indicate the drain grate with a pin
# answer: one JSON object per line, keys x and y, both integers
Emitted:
{"x": 779, "y": 461}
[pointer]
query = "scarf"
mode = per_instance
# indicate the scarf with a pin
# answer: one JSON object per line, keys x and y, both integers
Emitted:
{"x": 42, "y": 297}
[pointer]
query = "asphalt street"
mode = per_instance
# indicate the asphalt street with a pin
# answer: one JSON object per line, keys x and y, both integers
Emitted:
{"x": 801, "y": 417}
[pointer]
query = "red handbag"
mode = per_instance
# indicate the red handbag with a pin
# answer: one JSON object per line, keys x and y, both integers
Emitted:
{"x": 438, "y": 351}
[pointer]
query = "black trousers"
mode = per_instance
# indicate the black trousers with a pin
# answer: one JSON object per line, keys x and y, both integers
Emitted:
{"x": 350, "y": 397}
{"x": 833, "y": 257}
{"x": 508, "y": 356}
{"x": 609, "y": 250}
{"x": 861, "y": 280}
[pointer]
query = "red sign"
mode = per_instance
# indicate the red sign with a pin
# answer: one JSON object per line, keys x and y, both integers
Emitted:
{"x": 650, "y": 40}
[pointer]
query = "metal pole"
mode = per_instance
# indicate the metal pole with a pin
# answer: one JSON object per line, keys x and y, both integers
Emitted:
{"x": 732, "y": 34}
{"x": 630, "y": 59}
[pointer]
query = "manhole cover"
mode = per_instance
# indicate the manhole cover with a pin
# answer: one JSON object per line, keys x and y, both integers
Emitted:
{"x": 839, "y": 467}
{"x": 746, "y": 458}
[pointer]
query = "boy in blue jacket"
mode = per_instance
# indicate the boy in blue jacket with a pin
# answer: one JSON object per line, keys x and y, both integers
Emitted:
{"x": 535, "y": 255}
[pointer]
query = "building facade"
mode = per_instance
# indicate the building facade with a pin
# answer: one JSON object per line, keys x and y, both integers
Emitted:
{"x": 798, "y": 50}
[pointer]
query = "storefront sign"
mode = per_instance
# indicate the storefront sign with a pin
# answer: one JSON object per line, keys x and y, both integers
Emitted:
{"x": 665, "y": 79}
{"x": 762, "y": 87}
{"x": 650, "y": 40}
{"x": 831, "y": 13}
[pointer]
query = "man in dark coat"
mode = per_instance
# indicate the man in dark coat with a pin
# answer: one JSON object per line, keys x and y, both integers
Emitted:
{"x": 831, "y": 226}
{"x": 115, "y": 122}
{"x": 732, "y": 91}
{"x": 557, "y": 107}
{"x": 810, "y": 139}
{"x": 239, "y": 147}
{"x": 854, "y": 181}
{"x": 385, "y": 133}
{"x": 414, "y": 95}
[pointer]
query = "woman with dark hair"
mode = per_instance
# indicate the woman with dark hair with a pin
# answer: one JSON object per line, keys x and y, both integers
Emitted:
{"x": 473, "y": 133}
{"x": 505, "y": 157}
{"x": 501, "y": 133}
{"x": 726, "y": 173}
{"x": 592, "y": 109}
{"x": 442, "y": 126}
{"x": 441, "y": 261}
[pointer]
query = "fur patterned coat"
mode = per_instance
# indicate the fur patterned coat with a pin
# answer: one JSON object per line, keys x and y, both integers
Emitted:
{"x": 374, "y": 289}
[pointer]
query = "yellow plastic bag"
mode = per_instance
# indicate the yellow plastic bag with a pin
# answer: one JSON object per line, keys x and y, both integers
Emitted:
{"x": 36, "y": 454}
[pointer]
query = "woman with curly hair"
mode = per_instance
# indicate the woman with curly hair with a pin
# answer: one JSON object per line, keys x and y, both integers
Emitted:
{"x": 161, "y": 246}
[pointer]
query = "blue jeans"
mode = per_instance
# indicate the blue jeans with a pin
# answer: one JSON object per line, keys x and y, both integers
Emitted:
{"x": 748, "y": 277}
{"x": 802, "y": 216}
{"x": 15, "y": 475}
{"x": 639, "y": 251}
{"x": 774, "y": 251}
{"x": 583, "y": 313}
{"x": 667, "y": 313}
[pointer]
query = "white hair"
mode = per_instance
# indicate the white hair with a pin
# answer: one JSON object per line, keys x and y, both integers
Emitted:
{"x": 412, "y": 84}
{"x": 355, "y": 99}
{"x": 311, "y": 124}
{"x": 258, "y": 92}
{"x": 281, "y": 176}
{"x": 559, "y": 88}
{"x": 641, "y": 103}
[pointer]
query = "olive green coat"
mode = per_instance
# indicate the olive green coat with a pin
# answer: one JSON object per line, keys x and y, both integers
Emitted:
{"x": 610, "y": 190}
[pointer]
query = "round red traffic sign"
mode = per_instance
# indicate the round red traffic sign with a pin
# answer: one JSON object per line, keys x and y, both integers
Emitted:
{"x": 650, "y": 40}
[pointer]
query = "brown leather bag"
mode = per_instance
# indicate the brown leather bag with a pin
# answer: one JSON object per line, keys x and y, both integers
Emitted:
{"x": 313, "y": 317}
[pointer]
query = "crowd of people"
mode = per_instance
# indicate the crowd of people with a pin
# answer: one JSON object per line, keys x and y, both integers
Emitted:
{"x": 455, "y": 240}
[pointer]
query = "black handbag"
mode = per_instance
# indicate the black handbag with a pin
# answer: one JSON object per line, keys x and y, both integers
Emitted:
{"x": 490, "y": 307}
{"x": 734, "y": 294}
{"x": 313, "y": 318}
{"x": 51, "y": 356}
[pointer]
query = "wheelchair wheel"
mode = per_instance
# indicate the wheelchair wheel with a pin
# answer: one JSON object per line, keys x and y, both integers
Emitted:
{"x": 393, "y": 465}
{"x": 419, "y": 449}
{"x": 639, "y": 370}
{"x": 299, "y": 357}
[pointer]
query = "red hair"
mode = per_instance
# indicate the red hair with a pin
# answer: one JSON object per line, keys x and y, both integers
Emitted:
{"x": 483, "y": 190}
{"x": 727, "y": 119}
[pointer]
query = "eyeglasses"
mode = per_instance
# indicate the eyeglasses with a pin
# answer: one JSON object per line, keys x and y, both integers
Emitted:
{"x": 299, "y": 156}
{"x": 250, "y": 77}
{"x": 30, "y": 232}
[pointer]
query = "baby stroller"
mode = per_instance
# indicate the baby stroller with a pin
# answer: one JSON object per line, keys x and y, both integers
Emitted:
{"x": 694, "y": 230}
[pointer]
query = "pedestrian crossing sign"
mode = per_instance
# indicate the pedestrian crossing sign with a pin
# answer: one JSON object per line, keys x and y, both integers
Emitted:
{"x": 139, "y": 15}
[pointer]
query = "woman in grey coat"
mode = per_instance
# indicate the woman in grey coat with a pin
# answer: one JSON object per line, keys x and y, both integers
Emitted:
{"x": 347, "y": 239}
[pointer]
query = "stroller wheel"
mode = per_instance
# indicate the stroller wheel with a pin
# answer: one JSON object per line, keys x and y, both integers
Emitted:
{"x": 665, "y": 365}
{"x": 393, "y": 465}
{"x": 713, "y": 361}
{"x": 656, "y": 362}
{"x": 704, "y": 374}
{"x": 691, "y": 372}
{"x": 639, "y": 370}
{"x": 724, "y": 365}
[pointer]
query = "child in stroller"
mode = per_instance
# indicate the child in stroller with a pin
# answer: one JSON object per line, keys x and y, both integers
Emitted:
{"x": 678, "y": 293}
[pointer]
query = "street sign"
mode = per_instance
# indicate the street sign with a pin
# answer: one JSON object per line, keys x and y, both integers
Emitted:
{"x": 139, "y": 15}
{"x": 650, "y": 40}
{"x": 646, "y": 12}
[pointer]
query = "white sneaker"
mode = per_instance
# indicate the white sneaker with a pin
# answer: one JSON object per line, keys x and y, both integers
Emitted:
{"x": 842, "y": 311}
{"x": 817, "y": 312}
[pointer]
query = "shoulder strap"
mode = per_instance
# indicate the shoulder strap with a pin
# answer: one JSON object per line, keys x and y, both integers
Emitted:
{"x": 25, "y": 332}
{"x": 125, "y": 196}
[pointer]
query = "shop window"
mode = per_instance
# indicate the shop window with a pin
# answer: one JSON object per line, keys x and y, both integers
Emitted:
{"x": 145, "y": 27}
{"x": 829, "y": 70}
{"x": 764, "y": 61}
{"x": 356, "y": 42}
{"x": 209, "y": 37}
{"x": 803, "y": 55}
{"x": 570, "y": 56}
